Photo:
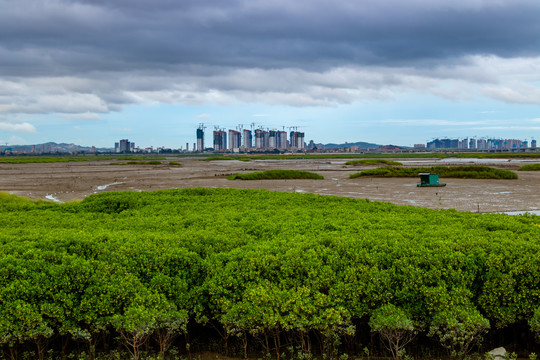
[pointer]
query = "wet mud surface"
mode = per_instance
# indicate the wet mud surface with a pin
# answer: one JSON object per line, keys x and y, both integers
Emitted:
{"x": 74, "y": 181}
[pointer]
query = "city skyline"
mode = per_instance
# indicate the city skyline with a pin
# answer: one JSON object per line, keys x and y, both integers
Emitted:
{"x": 380, "y": 71}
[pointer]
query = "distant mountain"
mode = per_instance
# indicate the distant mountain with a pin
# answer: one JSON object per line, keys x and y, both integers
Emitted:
{"x": 52, "y": 147}
{"x": 360, "y": 144}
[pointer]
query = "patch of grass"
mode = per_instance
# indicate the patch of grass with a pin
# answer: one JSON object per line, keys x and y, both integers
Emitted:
{"x": 461, "y": 172}
{"x": 25, "y": 159}
{"x": 498, "y": 155}
{"x": 135, "y": 162}
{"x": 175, "y": 163}
{"x": 530, "y": 167}
{"x": 276, "y": 175}
{"x": 373, "y": 162}
{"x": 215, "y": 158}
{"x": 347, "y": 156}
{"x": 45, "y": 159}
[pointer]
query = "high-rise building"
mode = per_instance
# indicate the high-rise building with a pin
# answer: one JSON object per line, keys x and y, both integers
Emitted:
{"x": 533, "y": 143}
{"x": 481, "y": 144}
{"x": 272, "y": 139}
{"x": 281, "y": 139}
{"x": 247, "y": 141}
{"x": 234, "y": 139}
{"x": 297, "y": 140}
{"x": 261, "y": 139}
{"x": 200, "y": 138}
{"x": 220, "y": 140}
{"x": 124, "y": 146}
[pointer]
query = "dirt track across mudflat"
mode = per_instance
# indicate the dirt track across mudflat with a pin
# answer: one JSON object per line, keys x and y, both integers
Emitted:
{"x": 76, "y": 180}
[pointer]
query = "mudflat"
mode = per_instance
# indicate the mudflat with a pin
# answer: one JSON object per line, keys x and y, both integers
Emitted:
{"x": 77, "y": 180}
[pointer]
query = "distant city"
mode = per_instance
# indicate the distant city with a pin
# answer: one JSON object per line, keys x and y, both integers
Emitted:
{"x": 242, "y": 140}
{"x": 478, "y": 144}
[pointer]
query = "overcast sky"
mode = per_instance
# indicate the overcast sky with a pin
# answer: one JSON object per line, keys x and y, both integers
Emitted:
{"x": 385, "y": 71}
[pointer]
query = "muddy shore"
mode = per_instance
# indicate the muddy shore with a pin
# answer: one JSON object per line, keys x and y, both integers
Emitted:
{"x": 76, "y": 180}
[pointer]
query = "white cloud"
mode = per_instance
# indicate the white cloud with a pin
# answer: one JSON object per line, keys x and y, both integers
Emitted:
{"x": 511, "y": 80}
{"x": 204, "y": 116}
{"x": 518, "y": 94}
{"x": 88, "y": 116}
{"x": 18, "y": 127}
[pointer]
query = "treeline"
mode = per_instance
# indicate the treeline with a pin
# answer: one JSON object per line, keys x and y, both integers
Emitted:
{"x": 264, "y": 273}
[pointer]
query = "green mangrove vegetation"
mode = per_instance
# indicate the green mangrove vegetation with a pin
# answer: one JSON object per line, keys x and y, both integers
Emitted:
{"x": 276, "y": 175}
{"x": 530, "y": 167}
{"x": 460, "y": 172}
{"x": 498, "y": 155}
{"x": 373, "y": 162}
{"x": 217, "y": 158}
{"x": 254, "y": 273}
{"x": 26, "y": 159}
{"x": 138, "y": 162}
{"x": 49, "y": 159}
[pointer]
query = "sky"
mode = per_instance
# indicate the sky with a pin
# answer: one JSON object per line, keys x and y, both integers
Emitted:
{"x": 91, "y": 72}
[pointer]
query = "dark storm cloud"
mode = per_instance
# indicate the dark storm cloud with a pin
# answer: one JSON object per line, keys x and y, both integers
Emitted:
{"x": 65, "y": 37}
{"x": 89, "y": 57}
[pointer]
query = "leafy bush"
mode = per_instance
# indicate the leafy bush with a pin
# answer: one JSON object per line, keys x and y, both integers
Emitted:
{"x": 530, "y": 167}
{"x": 216, "y": 158}
{"x": 373, "y": 162}
{"x": 462, "y": 172}
{"x": 534, "y": 323}
{"x": 137, "y": 162}
{"x": 395, "y": 327}
{"x": 458, "y": 329}
{"x": 276, "y": 175}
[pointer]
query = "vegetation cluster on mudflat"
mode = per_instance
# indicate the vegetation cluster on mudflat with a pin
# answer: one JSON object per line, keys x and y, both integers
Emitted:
{"x": 276, "y": 175}
{"x": 530, "y": 167}
{"x": 461, "y": 172}
{"x": 373, "y": 162}
{"x": 263, "y": 273}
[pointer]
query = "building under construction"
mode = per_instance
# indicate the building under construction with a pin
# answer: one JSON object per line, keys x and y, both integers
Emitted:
{"x": 200, "y": 138}
{"x": 252, "y": 140}
{"x": 220, "y": 140}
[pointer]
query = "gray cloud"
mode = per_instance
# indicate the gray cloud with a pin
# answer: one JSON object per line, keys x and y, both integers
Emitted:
{"x": 94, "y": 56}
{"x": 63, "y": 36}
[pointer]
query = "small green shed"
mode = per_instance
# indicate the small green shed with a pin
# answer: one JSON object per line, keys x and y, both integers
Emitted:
{"x": 427, "y": 179}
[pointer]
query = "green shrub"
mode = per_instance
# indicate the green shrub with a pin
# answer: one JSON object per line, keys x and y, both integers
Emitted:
{"x": 216, "y": 158}
{"x": 461, "y": 172}
{"x": 458, "y": 329}
{"x": 395, "y": 327}
{"x": 373, "y": 162}
{"x": 257, "y": 263}
{"x": 530, "y": 167}
{"x": 137, "y": 162}
{"x": 276, "y": 175}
